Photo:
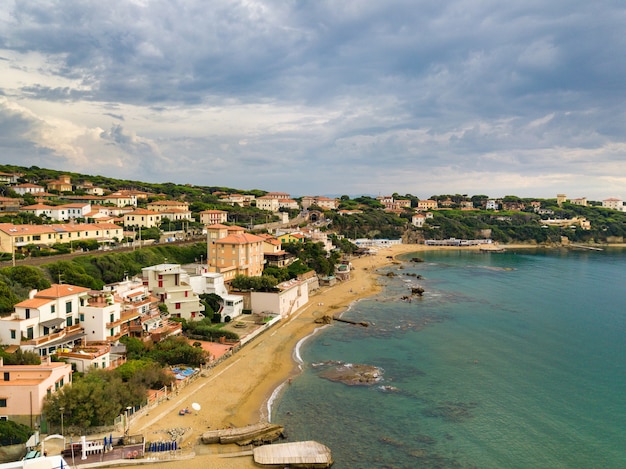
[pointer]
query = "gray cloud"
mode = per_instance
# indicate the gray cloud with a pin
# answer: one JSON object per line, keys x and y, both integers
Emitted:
{"x": 398, "y": 96}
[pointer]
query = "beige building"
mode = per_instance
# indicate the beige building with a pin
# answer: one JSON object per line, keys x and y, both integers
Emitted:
{"x": 142, "y": 218}
{"x": 24, "y": 388}
{"x": 232, "y": 252}
{"x": 213, "y": 217}
{"x": 428, "y": 204}
{"x": 319, "y": 201}
{"x": 170, "y": 284}
{"x": 267, "y": 203}
{"x": 167, "y": 205}
{"x": 15, "y": 236}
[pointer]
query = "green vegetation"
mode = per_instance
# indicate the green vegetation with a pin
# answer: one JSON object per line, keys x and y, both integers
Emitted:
{"x": 12, "y": 433}
{"x": 98, "y": 397}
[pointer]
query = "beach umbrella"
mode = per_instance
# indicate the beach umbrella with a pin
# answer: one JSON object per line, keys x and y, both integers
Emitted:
{"x": 195, "y": 406}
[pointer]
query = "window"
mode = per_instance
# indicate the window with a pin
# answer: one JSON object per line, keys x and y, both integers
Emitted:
{"x": 68, "y": 307}
{"x": 82, "y": 317}
{"x": 29, "y": 333}
{"x": 3, "y": 402}
{"x": 68, "y": 321}
{"x": 27, "y": 313}
{"x": 160, "y": 283}
{"x": 13, "y": 334}
{"x": 177, "y": 305}
{"x": 53, "y": 309}
{"x": 6, "y": 375}
{"x": 112, "y": 318}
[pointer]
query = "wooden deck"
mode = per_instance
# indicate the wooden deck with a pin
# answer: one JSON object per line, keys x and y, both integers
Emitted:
{"x": 307, "y": 454}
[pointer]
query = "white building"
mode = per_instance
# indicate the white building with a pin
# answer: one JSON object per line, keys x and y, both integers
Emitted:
{"x": 292, "y": 295}
{"x": 213, "y": 282}
{"x": 613, "y": 203}
{"x": 170, "y": 284}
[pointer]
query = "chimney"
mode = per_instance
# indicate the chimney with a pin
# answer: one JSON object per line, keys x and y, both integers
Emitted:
{"x": 32, "y": 293}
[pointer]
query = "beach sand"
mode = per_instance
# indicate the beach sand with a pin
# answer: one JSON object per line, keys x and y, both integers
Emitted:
{"x": 236, "y": 392}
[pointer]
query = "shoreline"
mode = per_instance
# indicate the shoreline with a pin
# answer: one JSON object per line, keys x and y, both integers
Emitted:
{"x": 243, "y": 389}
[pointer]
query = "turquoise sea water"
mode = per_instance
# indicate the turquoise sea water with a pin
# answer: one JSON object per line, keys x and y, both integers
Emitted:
{"x": 510, "y": 360}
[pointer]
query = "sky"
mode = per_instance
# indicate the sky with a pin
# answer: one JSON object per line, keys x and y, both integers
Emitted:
{"x": 421, "y": 97}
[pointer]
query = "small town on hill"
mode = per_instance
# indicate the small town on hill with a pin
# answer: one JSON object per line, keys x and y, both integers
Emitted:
{"x": 127, "y": 289}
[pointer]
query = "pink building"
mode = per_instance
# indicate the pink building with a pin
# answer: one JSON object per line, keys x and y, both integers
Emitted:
{"x": 24, "y": 388}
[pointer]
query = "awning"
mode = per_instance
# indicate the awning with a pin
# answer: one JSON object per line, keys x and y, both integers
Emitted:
{"x": 52, "y": 322}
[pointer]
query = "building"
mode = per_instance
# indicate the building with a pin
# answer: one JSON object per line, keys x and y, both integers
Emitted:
{"x": 170, "y": 284}
{"x": 167, "y": 205}
{"x": 613, "y": 203}
{"x": 47, "y": 321}
{"x": 492, "y": 204}
{"x": 213, "y": 217}
{"x": 232, "y": 252}
{"x": 231, "y": 306}
{"x": 92, "y": 357}
{"x": 267, "y": 203}
{"x": 10, "y": 204}
{"x": 63, "y": 184}
{"x": 423, "y": 205}
{"x": 291, "y": 296}
{"x": 142, "y": 218}
{"x": 418, "y": 220}
{"x": 582, "y": 201}
{"x": 273, "y": 252}
{"x": 24, "y": 388}
{"x": 28, "y": 188}
{"x": 319, "y": 201}
{"x": 64, "y": 212}
{"x": 13, "y": 236}
{"x": 120, "y": 199}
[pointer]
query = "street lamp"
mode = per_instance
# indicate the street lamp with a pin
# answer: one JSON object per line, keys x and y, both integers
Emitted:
{"x": 61, "y": 409}
{"x": 127, "y": 419}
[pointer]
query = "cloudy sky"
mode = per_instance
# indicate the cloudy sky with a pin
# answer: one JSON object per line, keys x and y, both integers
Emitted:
{"x": 516, "y": 97}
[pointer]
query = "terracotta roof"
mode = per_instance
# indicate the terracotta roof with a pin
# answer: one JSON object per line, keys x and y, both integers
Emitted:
{"x": 33, "y": 303}
{"x": 240, "y": 238}
{"x": 143, "y": 211}
{"x": 60, "y": 291}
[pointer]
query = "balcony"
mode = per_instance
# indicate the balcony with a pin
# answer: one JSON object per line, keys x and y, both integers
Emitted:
{"x": 68, "y": 333}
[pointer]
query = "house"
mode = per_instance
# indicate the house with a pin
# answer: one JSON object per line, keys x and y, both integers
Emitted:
{"x": 273, "y": 252}
{"x": 391, "y": 204}
{"x": 28, "y": 188}
{"x": 319, "y": 201}
{"x": 418, "y": 220}
{"x": 291, "y": 238}
{"x": 16, "y": 236}
{"x": 46, "y": 321}
{"x": 92, "y": 357}
{"x": 242, "y": 200}
{"x": 8, "y": 178}
{"x": 233, "y": 252}
{"x": 142, "y": 218}
{"x": 213, "y": 217}
{"x": 64, "y": 212}
{"x": 613, "y": 203}
{"x": 492, "y": 204}
{"x": 291, "y": 296}
{"x": 267, "y": 203}
{"x": 278, "y": 195}
{"x": 213, "y": 282}
{"x": 90, "y": 189}
{"x": 167, "y": 205}
{"x": 582, "y": 201}
{"x": 120, "y": 199}
{"x": 170, "y": 284}
{"x": 24, "y": 388}
{"x": 10, "y": 204}
{"x": 63, "y": 184}
{"x": 423, "y": 205}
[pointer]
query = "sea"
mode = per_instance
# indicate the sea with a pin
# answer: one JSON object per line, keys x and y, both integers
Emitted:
{"x": 508, "y": 360}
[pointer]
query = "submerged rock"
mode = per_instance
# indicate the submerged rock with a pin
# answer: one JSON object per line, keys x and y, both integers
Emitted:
{"x": 354, "y": 375}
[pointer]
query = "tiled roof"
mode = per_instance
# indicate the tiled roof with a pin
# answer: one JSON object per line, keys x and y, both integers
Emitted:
{"x": 60, "y": 291}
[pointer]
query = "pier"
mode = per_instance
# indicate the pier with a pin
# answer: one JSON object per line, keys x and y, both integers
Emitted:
{"x": 309, "y": 454}
{"x": 348, "y": 321}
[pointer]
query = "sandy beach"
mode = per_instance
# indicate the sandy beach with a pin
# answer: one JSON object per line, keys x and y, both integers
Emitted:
{"x": 236, "y": 392}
